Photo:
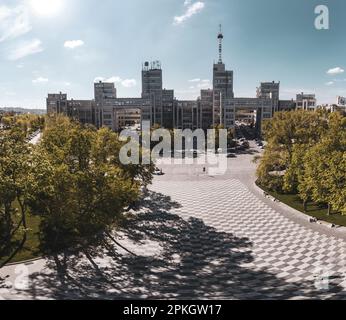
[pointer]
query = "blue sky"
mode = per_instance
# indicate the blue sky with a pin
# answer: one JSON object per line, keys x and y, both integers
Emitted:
{"x": 64, "y": 45}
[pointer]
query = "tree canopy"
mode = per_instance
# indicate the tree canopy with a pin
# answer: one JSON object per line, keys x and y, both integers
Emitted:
{"x": 72, "y": 180}
{"x": 309, "y": 150}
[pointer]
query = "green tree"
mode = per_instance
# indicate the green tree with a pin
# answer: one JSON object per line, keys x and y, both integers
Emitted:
{"x": 14, "y": 184}
{"x": 289, "y": 136}
{"x": 325, "y": 168}
{"x": 80, "y": 191}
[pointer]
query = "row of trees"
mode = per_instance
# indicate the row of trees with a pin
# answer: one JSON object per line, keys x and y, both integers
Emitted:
{"x": 27, "y": 122}
{"x": 306, "y": 155}
{"x": 73, "y": 180}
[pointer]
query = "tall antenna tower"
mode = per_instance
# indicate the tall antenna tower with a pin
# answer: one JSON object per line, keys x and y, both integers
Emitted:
{"x": 220, "y": 37}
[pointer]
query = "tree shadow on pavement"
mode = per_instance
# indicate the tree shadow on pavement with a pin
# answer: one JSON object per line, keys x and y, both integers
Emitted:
{"x": 191, "y": 261}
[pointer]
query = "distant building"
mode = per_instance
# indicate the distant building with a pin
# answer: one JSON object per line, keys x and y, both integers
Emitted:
{"x": 269, "y": 91}
{"x": 287, "y": 105}
{"x": 341, "y": 101}
{"x": 340, "y": 105}
{"x": 215, "y": 106}
{"x": 104, "y": 91}
{"x": 222, "y": 87}
{"x": 81, "y": 110}
{"x": 306, "y": 102}
{"x": 168, "y": 103}
{"x": 186, "y": 114}
{"x": 205, "y": 103}
{"x": 57, "y": 103}
{"x": 126, "y": 112}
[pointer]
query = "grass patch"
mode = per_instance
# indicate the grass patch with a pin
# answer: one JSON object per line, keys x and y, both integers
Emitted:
{"x": 31, "y": 246}
{"x": 314, "y": 210}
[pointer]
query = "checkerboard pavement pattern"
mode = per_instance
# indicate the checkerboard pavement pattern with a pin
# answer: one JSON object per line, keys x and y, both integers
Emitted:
{"x": 204, "y": 239}
{"x": 286, "y": 260}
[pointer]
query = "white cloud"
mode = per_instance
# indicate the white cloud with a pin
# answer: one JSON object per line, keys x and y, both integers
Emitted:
{"x": 98, "y": 79}
{"x": 336, "y": 70}
{"x": 40, "y": 80}
{"x": 339, "y": 80}
{"x": 330, "y": 83}
{"x": 194, "y": 89}
{"x": 72, "y": 44}
{"x": 127, "y": 83}
{"x": 114, "y": 79}
{"x": 191, "y": 10}
{"x": 25, "y": 49}
{"x": 203, "y": 85}
{"x": 14, "y": 22}
{"x": 200, "y": 84}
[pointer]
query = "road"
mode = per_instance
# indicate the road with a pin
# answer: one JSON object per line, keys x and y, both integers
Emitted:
{"x": 200, "y": 237}
{"x": 36, "y": 139}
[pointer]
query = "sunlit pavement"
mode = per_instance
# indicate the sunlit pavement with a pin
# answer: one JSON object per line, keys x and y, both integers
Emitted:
{"x": 198, "y": 236}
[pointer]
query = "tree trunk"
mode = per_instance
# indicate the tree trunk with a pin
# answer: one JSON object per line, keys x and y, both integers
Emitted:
{"x": 9, "y": 259}
{"x": 119, "y": 245}
{"x": 305, "y": 204}
{"x": 329, "y": 210}
{"x": 21, "y": 245}
{"x": 8, "y": 223}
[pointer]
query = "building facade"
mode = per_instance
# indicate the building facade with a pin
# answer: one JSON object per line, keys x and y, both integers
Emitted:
{"x": 205, "y": 105}
{"x": 186, "y": 114}
{"x": 306, "y": 102}
{"x": 215, "y": 106}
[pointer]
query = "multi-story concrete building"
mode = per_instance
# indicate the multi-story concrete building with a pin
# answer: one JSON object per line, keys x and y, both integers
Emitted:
{"x": 125, "y": 112}
{"x": 168, "y": 103}
{"x": 109, "y": 111}
{"x": 186, "y": 114}
{"x": 306, "y": 102}
{"x": 215, "y": 106}
{"x": 57, "y": 103}
{"x": 341, "y": 101}
{"x": 269, "y": 91}
{"x": 104, "y": 91}
{"x": 222, "y": 87}
{"x": 287, "y": 105}
{"x": 152, "y": 86}
{"x": 162, "y": 100}
{"x": 81, "y": 110}
{"x": 205, "y": 104}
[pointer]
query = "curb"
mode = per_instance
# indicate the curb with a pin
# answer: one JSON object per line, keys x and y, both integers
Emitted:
{"x": 11, "y": 264}
{"x": 304, "y": 216}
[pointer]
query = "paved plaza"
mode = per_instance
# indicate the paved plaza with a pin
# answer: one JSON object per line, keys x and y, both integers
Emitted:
{"x": 197, "y": 236}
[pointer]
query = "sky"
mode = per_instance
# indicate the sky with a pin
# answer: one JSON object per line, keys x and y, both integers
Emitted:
{"x": 65, "y": 45}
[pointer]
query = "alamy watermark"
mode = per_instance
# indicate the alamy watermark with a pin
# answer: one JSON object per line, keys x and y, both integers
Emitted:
{"x": 20, "y": 282}
{"x": 208, "y": 148}
{"x": 322, "y": 20}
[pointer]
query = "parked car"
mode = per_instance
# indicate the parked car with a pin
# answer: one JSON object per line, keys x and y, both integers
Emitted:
{"x": 231, "y": 150}
{"x": 158, "y": 172}
{"x": 231, "y": 155}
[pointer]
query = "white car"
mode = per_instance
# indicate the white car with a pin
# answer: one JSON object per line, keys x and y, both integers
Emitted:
{"x": 158, "y": 172}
